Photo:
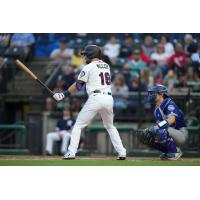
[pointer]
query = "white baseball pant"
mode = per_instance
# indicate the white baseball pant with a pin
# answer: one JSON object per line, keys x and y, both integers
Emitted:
{"x": 102, "y": 104}
{"x": 52, "y": 137}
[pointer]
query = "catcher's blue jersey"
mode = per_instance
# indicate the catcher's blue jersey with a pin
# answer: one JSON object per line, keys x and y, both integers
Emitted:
{"x": 167, "y": 108}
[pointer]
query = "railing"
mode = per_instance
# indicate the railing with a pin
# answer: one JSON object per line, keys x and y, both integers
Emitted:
{"x": 98, "y": 141}
{"x": 13, "y": 137}
{"x": 50, "y": 82}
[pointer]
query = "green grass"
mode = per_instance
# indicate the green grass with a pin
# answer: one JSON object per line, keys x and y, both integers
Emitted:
{"x": 94, "y": 163}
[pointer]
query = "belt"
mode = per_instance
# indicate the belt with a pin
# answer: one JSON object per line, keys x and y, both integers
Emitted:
{"x": 98, "y": 91}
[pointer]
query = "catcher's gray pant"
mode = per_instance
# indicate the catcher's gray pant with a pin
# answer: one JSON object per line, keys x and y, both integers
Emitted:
{"x": 52, "y": 137}
{"x": 102, "y": 104}
{"x": 179, "y": 136}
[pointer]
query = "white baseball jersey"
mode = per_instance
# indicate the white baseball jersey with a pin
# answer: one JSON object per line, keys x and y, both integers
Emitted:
{"x": 97, "y": 76}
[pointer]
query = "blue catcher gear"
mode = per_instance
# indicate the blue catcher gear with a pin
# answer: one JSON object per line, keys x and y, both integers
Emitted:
{"x": 159, "y": 140}
{"x": 163, "y": 142}
{"x": 158, "y": 89}
{"x": 145, "y": 135}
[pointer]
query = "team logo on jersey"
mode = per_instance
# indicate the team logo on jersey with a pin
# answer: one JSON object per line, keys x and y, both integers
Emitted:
{"x": 82, "y": 74}
{"x": 171, "y": 108}
{"x": 69, "y": 122}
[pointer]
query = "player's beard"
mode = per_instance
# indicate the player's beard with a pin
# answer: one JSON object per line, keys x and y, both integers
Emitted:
{"x": 88, "y": 61}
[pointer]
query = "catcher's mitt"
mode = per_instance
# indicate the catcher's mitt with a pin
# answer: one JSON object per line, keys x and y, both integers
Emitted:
{"x": 145, "y": 135}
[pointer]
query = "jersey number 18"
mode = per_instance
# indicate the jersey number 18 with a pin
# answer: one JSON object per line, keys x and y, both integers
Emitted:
{"x": 105, "y": 78}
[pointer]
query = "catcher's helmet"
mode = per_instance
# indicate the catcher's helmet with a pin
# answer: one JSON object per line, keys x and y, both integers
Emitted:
{"x": 158, "y": 89}
{"x": 91, "y": 51}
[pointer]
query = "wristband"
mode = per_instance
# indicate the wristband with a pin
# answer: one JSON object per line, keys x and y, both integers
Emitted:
{"x": 66, "y": 93}
{"x": 163, "y": 124}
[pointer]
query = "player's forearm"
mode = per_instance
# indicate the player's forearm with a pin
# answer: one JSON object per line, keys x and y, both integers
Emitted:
{"x": 167, "y": 122}
{"x": 72, "y": 89}
{"x": 75, "y": 87}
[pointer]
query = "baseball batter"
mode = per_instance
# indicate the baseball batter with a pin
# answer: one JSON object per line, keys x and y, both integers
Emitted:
{"x": 97, "y": 78}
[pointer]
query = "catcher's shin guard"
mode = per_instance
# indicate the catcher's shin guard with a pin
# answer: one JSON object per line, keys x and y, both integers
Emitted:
{"x": 163, "y": 142}
{"x": 158, "y": 140}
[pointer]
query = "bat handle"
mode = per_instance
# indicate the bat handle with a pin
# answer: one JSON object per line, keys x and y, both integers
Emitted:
{"x": 50, "y": 91}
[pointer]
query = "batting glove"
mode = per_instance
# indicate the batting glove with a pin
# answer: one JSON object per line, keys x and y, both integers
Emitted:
{"x": 58, "y": 96}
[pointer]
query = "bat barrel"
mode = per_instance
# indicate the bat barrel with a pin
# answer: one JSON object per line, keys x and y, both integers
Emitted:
{"x": 26, "y": 70}
{"x": 32, "y": 75}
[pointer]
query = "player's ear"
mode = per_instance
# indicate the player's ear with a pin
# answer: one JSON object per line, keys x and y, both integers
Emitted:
{"x": 163, "y": 96}
{"x": 158, "y": 95}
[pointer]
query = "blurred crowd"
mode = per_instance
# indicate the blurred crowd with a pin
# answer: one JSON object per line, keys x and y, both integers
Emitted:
{"x": 137, "y": 60}
{"x": 137, "y": 65}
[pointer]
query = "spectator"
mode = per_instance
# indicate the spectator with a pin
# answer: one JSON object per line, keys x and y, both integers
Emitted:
{"x": 62, "y": 133}
{"x": 148, "y": 47}
{"x": 112, "y": 48}
{"x": 181, "y": 84}
{"x": 22, "y": 45}
{"x": 192, "y": 79}
{"x": 126, "y": 72}
{"x": 195, "y": 57}
{"x": 170, "y": 79}
{"x": 68, "y": 78}
{"x": 120, "y": 92}
{"x": 60, "y": 57}
{"x": 105, "y": 58}
{"x": 76, "y": 105}
{"x": 155, "y": 72}
{"x": 169, "y": 48}
{"x": 77, "y": 60}
{"x": 146, "y": 79}
{"x": 4, "y": 43}
{"x": 191, "y": 75}
{"x": 63, "y": 53}
{"x": 135, "y": 87}
{"x": 132, "y": 103}
{"x": 143, "y": 56}
{"x": 136, "y": 63}
{"x": 127, "y": 47}
{"x": 63, "y": 82}
{"x": 160, "y": 55}
{"x": 178, "y": 59}
{"x": 188, "y": 40}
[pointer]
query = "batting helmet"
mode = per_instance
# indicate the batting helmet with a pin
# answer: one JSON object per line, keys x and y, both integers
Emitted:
{"x": 158, "y": 89}
{"x": 91, "y": 51}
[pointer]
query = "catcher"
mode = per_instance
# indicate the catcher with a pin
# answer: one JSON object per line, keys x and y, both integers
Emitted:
{"x": 170, "y": 129}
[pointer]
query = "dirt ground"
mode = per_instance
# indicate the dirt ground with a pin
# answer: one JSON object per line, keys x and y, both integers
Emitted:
{"x": 134, "y": 159}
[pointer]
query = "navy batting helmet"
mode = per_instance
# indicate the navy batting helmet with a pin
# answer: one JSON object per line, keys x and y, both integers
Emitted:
{"x": 158, "y": 89}
{"x": 91, "y": 51}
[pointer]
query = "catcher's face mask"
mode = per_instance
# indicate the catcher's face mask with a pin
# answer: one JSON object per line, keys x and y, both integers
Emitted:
{"x": 152, "y": 97}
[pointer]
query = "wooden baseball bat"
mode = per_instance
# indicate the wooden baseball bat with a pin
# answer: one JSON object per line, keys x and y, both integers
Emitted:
{"x": 32, "y": 75}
